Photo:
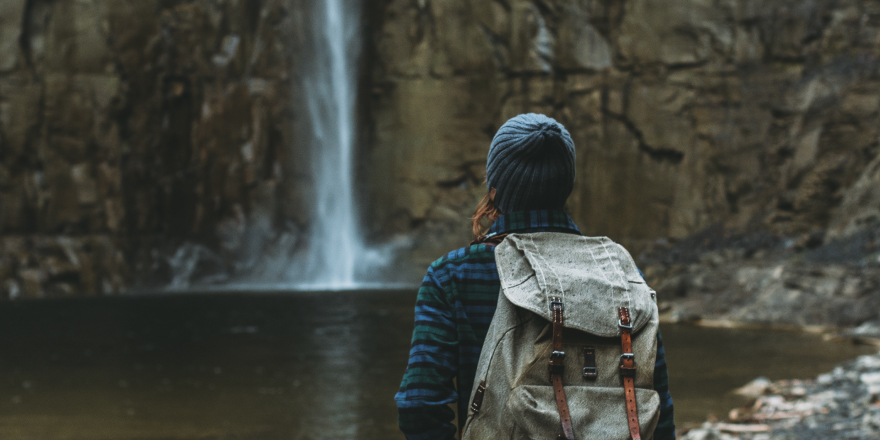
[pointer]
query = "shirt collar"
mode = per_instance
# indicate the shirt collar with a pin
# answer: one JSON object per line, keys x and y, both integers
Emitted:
{"x": 534, "y": 221}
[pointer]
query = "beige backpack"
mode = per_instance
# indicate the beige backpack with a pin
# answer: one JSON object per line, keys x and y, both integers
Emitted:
{"x": 571, "y": 349}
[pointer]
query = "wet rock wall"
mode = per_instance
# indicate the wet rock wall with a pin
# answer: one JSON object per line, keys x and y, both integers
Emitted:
{"x": 686, "y": 114}
{"x": 135, "y": 132}
{"x": 731, "y": 145}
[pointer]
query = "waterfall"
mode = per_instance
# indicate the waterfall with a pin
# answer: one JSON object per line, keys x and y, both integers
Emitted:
{"x": 333, "y": 255}
{"x": 331, "y": 92}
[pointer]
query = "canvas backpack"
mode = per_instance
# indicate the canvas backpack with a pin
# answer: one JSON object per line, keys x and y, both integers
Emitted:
{"x": 571, "y": 349}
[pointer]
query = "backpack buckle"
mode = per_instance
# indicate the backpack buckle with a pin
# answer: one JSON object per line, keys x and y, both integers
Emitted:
{"x": 591, "y": 373}
{"x": 627, "y": 371}
{"x": 556, "y": 366}
{"x": 478, "y": 397}
{"x": 624, "y": 326}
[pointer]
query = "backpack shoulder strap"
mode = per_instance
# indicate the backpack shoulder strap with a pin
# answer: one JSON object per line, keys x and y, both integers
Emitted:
{"x": 557, "y": 367}
{"x": 493, "y": 240}
{"x": 628, "y": 372}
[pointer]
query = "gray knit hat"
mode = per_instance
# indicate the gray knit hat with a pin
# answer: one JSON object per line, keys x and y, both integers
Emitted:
{"x": 531, "y": 164}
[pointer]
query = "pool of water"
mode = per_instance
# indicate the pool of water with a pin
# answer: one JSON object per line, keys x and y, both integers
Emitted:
{"x": 287, "y": 366}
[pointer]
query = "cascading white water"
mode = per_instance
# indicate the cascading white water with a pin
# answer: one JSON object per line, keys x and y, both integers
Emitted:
{"x": 326, "y": 37}
{"x": 331, "y": 91}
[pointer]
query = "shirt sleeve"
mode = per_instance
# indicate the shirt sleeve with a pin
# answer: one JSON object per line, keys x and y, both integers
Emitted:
{"x": 427, "y": 387}
{"x": 666, "y": 424}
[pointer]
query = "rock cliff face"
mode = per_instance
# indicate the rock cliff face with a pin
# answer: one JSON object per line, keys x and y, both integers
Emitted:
{"x": 149, "y": 141}
{"x": 758, "y": 114}
{"x": 128, "y": 128}
{"x": 720, "y": 127}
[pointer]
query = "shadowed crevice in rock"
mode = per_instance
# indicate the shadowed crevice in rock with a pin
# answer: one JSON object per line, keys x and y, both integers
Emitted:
{"x": 658, "y": 154}
{"x": 24, "y": 40}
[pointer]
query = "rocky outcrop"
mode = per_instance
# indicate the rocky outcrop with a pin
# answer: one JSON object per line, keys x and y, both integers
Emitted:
{"x": 743, "y": 129}
{"x": 745, "y": 113}
{"x": 128, "y": 128}
{"x": 838, "y": 405}
{"x": 860, "y": 207}
{"x": 762, "y": 278}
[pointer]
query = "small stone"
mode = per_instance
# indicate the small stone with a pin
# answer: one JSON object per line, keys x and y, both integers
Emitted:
{"x": 798, "y": 391}
{"x": 755, "y": 388}
{"x": 870, "y": 378}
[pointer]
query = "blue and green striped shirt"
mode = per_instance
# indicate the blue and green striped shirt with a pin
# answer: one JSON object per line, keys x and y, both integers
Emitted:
{"x": 454, "y": 308}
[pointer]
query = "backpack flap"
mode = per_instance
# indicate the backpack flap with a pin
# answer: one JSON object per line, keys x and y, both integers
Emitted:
{"x": 593, "y": 275}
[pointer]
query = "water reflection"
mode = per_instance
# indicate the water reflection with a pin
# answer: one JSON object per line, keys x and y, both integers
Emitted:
{"x": 298, "y": 366}
{"x": 338, "y": 360}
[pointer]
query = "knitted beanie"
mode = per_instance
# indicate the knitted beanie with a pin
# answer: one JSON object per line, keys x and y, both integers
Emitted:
{"x": 531, "y": 164}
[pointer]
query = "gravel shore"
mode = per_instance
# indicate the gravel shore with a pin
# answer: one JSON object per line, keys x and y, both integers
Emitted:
{"x": 842, "y": 404}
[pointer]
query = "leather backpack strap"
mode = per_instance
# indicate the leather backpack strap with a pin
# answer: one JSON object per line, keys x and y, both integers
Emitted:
{"x": 628, "y": 372}
{"x": 494, "y": 240}
{"x": 557, "y": 368}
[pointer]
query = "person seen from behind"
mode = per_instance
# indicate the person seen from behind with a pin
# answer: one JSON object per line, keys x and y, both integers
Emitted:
{"x": 530, "y": 174}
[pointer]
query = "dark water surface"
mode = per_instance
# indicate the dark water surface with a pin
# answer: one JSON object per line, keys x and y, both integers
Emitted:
{"x": 286, "y": 366}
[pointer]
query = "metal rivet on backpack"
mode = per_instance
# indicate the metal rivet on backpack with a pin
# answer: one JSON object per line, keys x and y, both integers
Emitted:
{"x": 653, "y": 295}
